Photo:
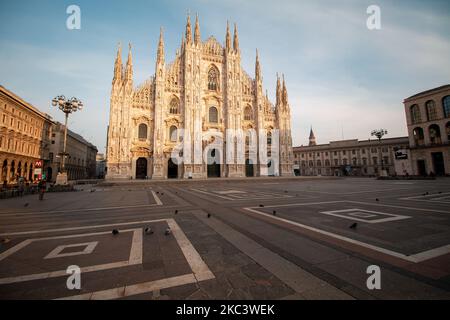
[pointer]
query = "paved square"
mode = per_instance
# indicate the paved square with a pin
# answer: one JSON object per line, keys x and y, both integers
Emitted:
{"x": 272, "y": 238}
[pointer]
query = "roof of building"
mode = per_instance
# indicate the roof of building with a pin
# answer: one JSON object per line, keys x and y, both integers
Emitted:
{"x": 76, "y": 136}
{"x": 352, "y": 143}
{"x": 24, "y": 103}
{"x": 427, "y": 92}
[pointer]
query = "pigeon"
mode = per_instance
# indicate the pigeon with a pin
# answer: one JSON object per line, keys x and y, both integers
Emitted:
{"x": 377, "y": 200}
{"x": 92, "y": 190}
{"x": 26, "y": 204}
{"x": 162, "y": 193}
{"x": 209, "y": 215}
{"x": 148, "y": 230}
{"x": 176, "y": 211}
{"x": 168, "y": 231}
{"x": 157, "y": 192}
{"x": 440, "y": 192}
{"x": 115, "y": 232}
{"x": 353, "y": 226}
{"x": 261, "y": 206}
{"x": 285, "y": 191}
{"x": 274, "y": 212}
{"x": 4, "y": 240}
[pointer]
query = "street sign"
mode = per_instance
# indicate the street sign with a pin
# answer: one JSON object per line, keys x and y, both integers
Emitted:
{"x": 38, "y": 164}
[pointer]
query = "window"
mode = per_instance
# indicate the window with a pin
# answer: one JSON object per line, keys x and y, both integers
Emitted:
{"x": 327, "y": 163}
{"x": 446, "y": 106}
{"x": 173, "y": 133}
{"x": 248, "y": 113}
{"x": 386, "y": 160}
{"x": 364, "y": 160}
{"x": 50, "y": 156}
{"x": 375, "y": 160}
{"x": 435, "y": 134}
{"x": 319, "y": 163}
{"x": 213, "y": 79}
{"x": 431, "y": 110}
{"x": 142, "y": 134}
{"x": 415, "y": 114}
{"x": 363, "y": 151}
{"x": 174, "y": 106}
{"x": 336, "y": 163}
{"x": 354, "y": 161}
{"x": 447, "y": 129}
{"x": 418, "y": 136}
{"x": 213, "y": 115}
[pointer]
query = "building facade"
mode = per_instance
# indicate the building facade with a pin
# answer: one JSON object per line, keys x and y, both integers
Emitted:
{"x": 428, "y": 120}
{"x": 192, "y": 102}
{"x": 350, "y": 157}
{"x": 80, "y": 162}
{"x": 24, "y": 139}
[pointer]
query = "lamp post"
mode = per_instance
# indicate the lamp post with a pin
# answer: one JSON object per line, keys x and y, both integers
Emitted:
{"x": 380, "y": 133}
{"x": 66, "y": 106}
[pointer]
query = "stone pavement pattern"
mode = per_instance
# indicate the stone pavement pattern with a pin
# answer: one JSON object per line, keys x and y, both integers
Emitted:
{"x": 230, "y": 239}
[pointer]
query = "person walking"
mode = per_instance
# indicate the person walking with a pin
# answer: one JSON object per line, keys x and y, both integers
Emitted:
{"x": 21, "y": 184}
{"x": 42, "y": 186}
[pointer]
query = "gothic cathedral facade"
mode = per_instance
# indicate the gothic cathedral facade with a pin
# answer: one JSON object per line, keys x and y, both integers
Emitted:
{"x": 203, "y": 90}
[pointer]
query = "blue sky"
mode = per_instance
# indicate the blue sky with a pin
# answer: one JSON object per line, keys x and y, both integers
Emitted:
{"x": 342, "y": 78}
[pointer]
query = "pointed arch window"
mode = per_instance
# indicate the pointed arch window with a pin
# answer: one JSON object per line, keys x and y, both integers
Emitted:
{"x": 213, "y": 79}
{"x": 142, "y": 132}
{"x": 248, "y": 114}
{"x": 174, "y": 107}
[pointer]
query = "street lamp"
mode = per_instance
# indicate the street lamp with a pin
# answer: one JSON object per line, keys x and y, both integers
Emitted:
{"x": 380, "y": 133}
{"x": 66, "y": 106}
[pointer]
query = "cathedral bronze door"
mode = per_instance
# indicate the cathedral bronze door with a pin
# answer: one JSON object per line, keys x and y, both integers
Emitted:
{"x": 172, "y": 170}
{"x": 141, "y": 168}
{"x": 248, "y": 168}
{"x": 213, "y": 164}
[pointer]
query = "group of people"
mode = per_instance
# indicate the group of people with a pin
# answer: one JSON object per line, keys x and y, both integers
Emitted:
{"x": 41, "y": 186}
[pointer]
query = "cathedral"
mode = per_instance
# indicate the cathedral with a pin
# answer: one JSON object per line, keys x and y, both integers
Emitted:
{"x": 199, "y": 116}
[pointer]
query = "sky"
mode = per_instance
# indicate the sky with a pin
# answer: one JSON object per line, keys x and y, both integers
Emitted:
{"x": 343, "y": 79}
